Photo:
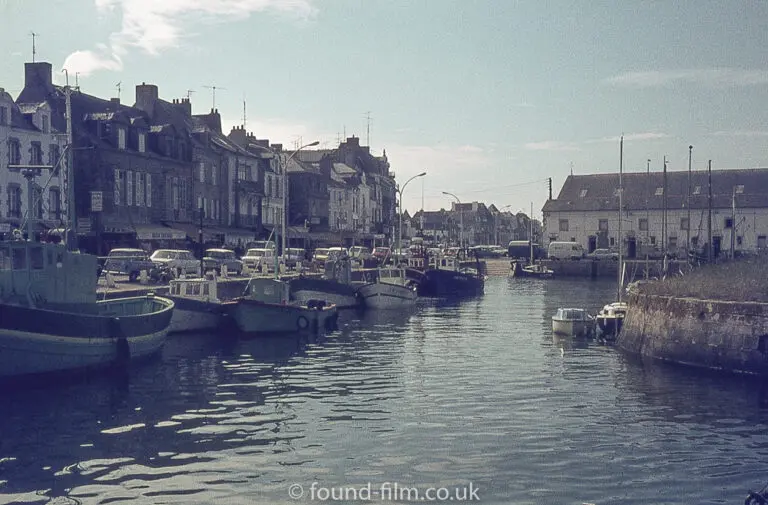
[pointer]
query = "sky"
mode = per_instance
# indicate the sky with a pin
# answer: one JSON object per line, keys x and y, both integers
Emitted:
{"x": 489, "y": 98}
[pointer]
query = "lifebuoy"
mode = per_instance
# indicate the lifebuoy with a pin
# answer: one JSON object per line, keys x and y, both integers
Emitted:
{"x": 302, "y": 323}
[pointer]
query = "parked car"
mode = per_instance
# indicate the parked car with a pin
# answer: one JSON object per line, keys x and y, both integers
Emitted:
{"x": 359, "y": 253}
{"x": 177, "y": 260}
{"x": 381, "y": 253}
{"x": 320, "y": 255}
{"x": 603, "y": 254}
{"x": 261, "y": 260}
{"x": 215, "y": 258}
{"x": 128, "y": 262}
{"x": 293, "y": 256}
{"x": 261, "y": 244}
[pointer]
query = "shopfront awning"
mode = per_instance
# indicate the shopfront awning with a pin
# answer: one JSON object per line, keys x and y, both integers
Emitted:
{"x": 297, "y": 232}
{"x": 157, "y": 232}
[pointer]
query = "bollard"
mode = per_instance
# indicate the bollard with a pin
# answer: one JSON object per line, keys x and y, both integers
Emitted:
{"x": 144, "y": 277}
{"x": 110, "y": 280}
{"x": 223, "y": 271}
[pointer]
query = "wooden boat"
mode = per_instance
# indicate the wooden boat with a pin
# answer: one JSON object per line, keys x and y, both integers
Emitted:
{"x": 535, "y": 270}
{"x": 450, "y": 276}
{"x": 391, "y": 290}
{"x": 266, "y": 307}
{"x": 197, "y": 306}
{"x": 51, "y": 321}
{"x": 573, "y": 322}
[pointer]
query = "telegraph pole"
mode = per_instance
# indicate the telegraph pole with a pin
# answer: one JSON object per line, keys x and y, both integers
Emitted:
{"x": 709, "y": 212}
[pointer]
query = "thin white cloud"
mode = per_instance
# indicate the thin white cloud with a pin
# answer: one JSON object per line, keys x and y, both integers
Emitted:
{"x": 718, "y": 77}
{"x": 629, "y": 137}
{"x": 153, "y": 26}
{"x": 552, "y": 145}
{"x": 741, "y": 133}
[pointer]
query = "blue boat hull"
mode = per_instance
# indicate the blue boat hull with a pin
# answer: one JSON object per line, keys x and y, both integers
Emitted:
{"x": 448, "y": 283}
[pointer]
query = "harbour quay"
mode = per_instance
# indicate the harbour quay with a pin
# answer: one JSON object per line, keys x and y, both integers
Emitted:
{"x": 594, "y": 269}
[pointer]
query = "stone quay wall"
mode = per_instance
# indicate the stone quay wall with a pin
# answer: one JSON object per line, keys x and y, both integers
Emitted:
{"x": 729, "y": 336}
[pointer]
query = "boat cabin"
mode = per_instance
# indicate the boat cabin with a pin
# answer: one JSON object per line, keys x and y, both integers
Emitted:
{"x": 196, "y": 288}
{"x": 393, "y": 276}
{"x": 268, "y": 290}
{"x": 37, "y": 274}
{"x": 569, "y": 314}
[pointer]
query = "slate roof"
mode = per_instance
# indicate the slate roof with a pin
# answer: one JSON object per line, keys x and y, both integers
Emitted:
{"x": 600, "y": 192}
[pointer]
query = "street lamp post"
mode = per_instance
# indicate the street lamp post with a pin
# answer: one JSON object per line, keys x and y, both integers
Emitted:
{"x": 461, "y": 219}
{"x": 283, "y": 166}
{"x": 400, "y": 205}
{"x": 496, "y": 223}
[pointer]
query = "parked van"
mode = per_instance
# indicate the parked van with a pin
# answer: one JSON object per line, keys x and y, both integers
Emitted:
{"x": 565, "y": 251}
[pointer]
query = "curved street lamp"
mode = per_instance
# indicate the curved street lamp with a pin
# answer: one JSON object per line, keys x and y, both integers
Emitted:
{"x": 400, "y": 228}
{"x": 283, "y": 166}
{"x": 461, "y": 219}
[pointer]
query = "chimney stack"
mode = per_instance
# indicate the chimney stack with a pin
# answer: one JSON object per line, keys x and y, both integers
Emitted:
{"x": 146, "y": 97}
{"x": 38, "y": 74}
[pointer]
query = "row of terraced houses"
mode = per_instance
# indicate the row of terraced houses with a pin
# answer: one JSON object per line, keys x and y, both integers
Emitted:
{"x": 148, "y": 173}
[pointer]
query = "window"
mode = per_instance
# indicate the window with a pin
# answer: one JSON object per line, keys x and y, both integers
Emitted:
{"x": 761, "y": 241}
{"x": 739, "y": 189}
{"x": 684, "y": 224}
{"x": 118, "y": 187}
{"x": 653, "y": 240}
{"x": 46, "y": 128}
{"x": 142, "y": 142}
{"x": 54, "y": 203}
{"x": 139, "y": 189}
{"x": 121, "y": 138}
{"x": 728, "y": 223}
{"x": 148, "y": 192}
{"x": 659, "y": 191}
{"x": 175, "y": 194}
{"x": 35, "y": 154}
{"x": 214, "y": 174}
{"x": 602, "y": 225}
{"x": 129, "y": 187}
{"x": 19, "y": 258}
{"x": 694, "y": 241}
{"x": 672, "y": 243}
{"x": 642, "y": 224}
{"x": 5, "y": 258}
{"x": 201, "y": 170}
{"x": 37, "y": 202}
{"x": 199, "y": 202}
{"x": 612, "y": 241}
{"x": 739, "y": 240}
{"x": 14, "y": 152}
{"x": 563, "y": 225}
{"x": 3, "y": 116}
{"x": 583, "y": 193}
{"x": 53, "y": 158}
{"x": 14, "y": 200}
{"x": 697, "y": 190}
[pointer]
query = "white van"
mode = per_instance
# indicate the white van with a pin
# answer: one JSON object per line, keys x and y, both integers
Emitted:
{"x": 565, "y": 251}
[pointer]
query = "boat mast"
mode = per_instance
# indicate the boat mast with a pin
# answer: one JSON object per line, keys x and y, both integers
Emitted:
{"x": 621, "y": 241}
{"x": 72, "y": 235}
{"x": 530, "y": 235}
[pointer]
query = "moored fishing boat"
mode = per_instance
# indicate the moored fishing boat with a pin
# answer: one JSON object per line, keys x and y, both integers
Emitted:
{"x": 573, "y": 322}
{"x": 197, "y": 306}
{"x": 265, "y": 307}
{"x": 391, "y": 290}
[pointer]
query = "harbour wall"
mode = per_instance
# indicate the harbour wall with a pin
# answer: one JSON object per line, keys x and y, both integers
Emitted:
{"x": 635, "y": 269}
{"x": 729, "y": 336}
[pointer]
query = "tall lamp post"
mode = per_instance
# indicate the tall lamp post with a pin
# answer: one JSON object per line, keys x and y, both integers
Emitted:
{"x": 496, "y": 223}
{"x": 283, "y": 166}
{"x": 400, "y": 205}
{"x": 461, "y": 219}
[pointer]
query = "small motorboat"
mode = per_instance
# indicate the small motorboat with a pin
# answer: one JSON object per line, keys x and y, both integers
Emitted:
{"x": 390, "y": 290}
{"x": 535, "y": 270}
{"x": 573, "y": 322}
{"x": 197, "y": 305}
{"x": 610, "y": 318}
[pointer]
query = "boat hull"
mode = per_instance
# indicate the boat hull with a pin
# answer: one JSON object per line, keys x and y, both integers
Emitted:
{"x": 332, "y": 292}
{"x": 37, "y": 341}
{"x": 381, "y": 295}
{"x": 520, "y": 270}
{"x": 448, "y": 283}
{"x": 571, "y": 328}
{"x": 194, "y": 315}
{"x": 252, "y": 316}
{"x": 609, "y": 325}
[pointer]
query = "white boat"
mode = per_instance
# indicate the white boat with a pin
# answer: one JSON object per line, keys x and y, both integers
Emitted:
{"x": 610, "y": 319}
{"x": 573, "y": 322}
{"x": 197, "y": 304}
{"x": 266, "y": 307}
{"x": 392, "y": 290}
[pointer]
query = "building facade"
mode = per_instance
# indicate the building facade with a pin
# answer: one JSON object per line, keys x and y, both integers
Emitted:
{"x": 27, "y": 137}
{"x": 663, "y": 213}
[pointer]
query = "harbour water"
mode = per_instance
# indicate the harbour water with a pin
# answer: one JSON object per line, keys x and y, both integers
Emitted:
{"x": 477, "y": 391}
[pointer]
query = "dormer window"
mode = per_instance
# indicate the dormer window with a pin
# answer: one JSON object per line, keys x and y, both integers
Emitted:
{"x": 121, "y": 138}
{"x": 142, "y": 142}
{"x": 739, "y": 189}
{"x": 583, "y": 193}
{"x": 659, "y": 191}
